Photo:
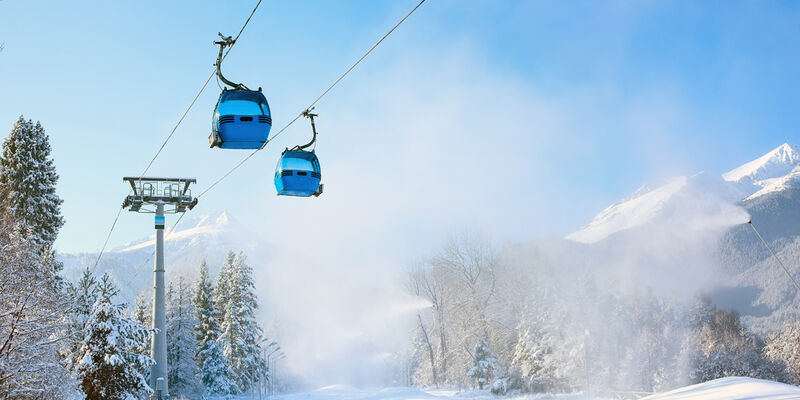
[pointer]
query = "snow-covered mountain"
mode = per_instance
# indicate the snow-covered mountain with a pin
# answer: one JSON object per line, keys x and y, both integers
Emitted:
{"x": 775, "y": 164}
{"x": 697, "y": 194}
{"x": 203, "y": 237}
{"x": 776, "y": 171}
{"x": 766, "y": 190}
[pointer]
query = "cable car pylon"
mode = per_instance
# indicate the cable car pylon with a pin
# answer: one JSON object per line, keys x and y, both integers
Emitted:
{"x": 159, "y": 193}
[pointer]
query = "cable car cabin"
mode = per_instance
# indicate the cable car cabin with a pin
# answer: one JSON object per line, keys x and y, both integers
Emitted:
{"x": 241, "y": 120}
{"x": 298, "y": 174}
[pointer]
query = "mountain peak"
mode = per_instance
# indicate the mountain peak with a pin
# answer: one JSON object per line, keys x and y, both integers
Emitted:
{"x": 220, "y": 219}
{"x": 217, "y": 223}
{"x": 776, "y": 163}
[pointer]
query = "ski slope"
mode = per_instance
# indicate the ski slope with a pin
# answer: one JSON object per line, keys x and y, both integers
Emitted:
{"x": 733, "y": 388}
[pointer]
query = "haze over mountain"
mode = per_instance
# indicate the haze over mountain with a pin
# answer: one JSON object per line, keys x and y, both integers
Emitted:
{"x": 745, "y": 276}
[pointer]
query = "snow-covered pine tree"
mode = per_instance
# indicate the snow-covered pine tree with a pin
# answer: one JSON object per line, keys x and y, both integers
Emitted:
{"x": 83, "y": 295}
{"x": 224, "y": 282}
{"x": 215, "y": 371}
{"x": 207, "y": 327}
{"x": 181, "y": 342}
{"x": 143, "y": 309}
{"x": 484, "y": 364}
{"x": 32, "y": 321}
{"x": 143, "y": 314}
{"x": 240, "y": 331}
{"x": 28, "y": 182}
{"x": 110, "y": 366}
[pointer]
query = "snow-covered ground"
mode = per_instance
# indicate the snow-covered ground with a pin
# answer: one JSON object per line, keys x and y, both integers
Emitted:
{"x": 734, "y": 388}
{"x": 342, "y": 392}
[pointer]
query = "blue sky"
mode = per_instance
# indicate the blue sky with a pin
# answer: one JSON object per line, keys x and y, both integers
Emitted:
{"x": 521, "y": 119}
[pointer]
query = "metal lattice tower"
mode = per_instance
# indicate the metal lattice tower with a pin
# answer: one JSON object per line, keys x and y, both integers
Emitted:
{"x": 170, "y": 196}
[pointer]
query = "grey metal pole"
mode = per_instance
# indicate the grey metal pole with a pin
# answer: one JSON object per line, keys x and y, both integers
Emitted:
{"x": 159, "y": 343}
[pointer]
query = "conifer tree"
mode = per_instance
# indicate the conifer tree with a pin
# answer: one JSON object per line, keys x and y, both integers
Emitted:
{"x": 181, "y": 342}
{"x": 484, "y": 364}
{"x": 83, "y": 295}
{"x": 224, "y": 283}
{"x": 240, "y": 331}
{"x": 207, "y": 328}
{"x": 28, "y": 182}
{"x": 110, "y": 366}
{"x": 143, "y": 314}
{"x": 215, "y": 372}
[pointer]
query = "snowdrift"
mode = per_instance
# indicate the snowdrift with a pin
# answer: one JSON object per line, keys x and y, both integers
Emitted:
{"x": 733, "y": 388}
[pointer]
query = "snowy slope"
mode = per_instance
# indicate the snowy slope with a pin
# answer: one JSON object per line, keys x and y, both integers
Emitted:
{"x": 733, "y": 388}
{"x": 773, "y": 172}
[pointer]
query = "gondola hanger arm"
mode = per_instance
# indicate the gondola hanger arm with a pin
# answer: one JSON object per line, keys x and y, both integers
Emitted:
{"x": 226, "y": 41}
{"x": 308, "y": 114}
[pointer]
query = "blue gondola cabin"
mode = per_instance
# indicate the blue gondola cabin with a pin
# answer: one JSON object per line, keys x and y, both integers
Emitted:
{"x": 242, "y": 120}
{"x": 298, "y": 174}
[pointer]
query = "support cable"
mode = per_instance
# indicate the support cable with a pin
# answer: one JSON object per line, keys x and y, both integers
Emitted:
{"x": 775, "y": 256}
{"x": 311, "y": 106}
{"x": 114, "y": 224}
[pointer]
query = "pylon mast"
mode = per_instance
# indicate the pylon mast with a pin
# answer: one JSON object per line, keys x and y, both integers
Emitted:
{"x": 165, "y": 195}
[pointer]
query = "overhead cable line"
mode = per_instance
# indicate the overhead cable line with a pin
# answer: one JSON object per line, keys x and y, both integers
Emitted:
{"x": 175, "y": 128}
{"x": 775, "y": 256}
{"x": 113, "y": 225}
{"x": 311, "y": 106}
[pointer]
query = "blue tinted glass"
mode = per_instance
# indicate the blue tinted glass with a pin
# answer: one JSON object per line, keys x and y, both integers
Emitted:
{"x": 297, "y": 164}
{"x": 299, "y": 160}
{"x": 243, "y": 103}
